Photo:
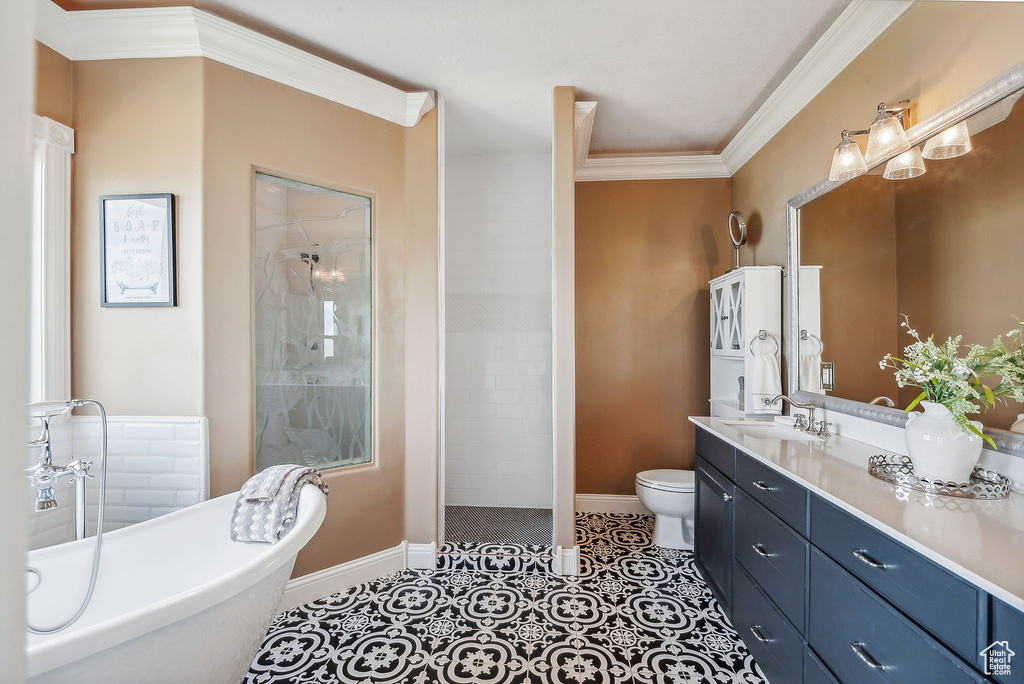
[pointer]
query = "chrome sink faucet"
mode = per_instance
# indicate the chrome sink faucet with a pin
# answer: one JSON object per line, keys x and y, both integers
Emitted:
{"x": 819, "y": 429}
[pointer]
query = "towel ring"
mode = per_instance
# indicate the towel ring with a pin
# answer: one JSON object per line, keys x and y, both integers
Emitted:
{"x": 763, "y": 335}
{"x": 807, "y": 335}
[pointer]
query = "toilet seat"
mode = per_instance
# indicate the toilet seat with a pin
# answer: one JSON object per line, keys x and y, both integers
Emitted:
{"x": 666, "y": 480}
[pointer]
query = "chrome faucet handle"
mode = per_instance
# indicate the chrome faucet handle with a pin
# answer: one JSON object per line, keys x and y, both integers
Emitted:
{"x": 800, "y": 423}
{"x": 822, "y": 430}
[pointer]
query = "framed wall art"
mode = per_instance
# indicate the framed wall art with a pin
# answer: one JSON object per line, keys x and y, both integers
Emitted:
{"x": 137, "y": 243}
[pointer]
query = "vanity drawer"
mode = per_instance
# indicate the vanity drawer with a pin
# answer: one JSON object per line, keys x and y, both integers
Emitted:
{"x": 814, "y": 671}
{"x": 1008, "y": 626}
{"x": 942, "y": 603}
{"x": 716, "y": 452}
{"x": 863, "y": 640}
{"x": 775, "y": 645}
{"x": 774, "y": 491}
{"x": 774, "y": 555}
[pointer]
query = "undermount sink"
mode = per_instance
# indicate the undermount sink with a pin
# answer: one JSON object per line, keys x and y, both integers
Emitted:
{"x": 770, "y": 430}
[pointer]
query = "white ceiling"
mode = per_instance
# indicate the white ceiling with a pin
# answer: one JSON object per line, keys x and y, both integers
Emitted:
{"x": 669, "y": 76}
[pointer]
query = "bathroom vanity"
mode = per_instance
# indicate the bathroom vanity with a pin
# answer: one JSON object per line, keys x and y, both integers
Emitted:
{"x": 830, "y": 575}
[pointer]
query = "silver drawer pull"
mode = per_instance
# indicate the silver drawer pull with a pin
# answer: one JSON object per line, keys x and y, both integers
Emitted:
{"x": 858, "y": 648}
{"x": 863, "y": 557}
{"x": 726, "y": 497}
{"x": 761, "y": 551}
{"x": 762, "y": 486}
{"x": 756, "y": 631}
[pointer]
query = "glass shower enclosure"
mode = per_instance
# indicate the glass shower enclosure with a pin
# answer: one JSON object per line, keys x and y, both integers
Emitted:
{"x": 312, "y": 320}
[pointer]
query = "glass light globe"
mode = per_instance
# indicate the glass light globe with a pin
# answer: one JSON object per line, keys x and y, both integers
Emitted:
{"x": 952, "y": 142}
{"x": 847, "y": 161}
{"x": 885, "y": 137}
{"x": 907, "y": 165}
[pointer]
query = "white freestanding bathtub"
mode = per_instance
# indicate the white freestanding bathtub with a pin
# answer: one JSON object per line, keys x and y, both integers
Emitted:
{"x": 176, "y": 600}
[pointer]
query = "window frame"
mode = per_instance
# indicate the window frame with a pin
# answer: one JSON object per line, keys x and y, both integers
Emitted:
{"x": 50, "y": 366}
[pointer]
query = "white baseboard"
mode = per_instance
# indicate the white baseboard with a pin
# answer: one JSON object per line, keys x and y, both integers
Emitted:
{"x": 301, "y": 590}
{"x": 421, "y": 556}
{"x": 610, "y": 503}
{"x": 566, "y": 561}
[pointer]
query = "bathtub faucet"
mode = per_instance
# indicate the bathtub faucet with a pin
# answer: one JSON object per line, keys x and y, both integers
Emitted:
{"x": 45, "y": 474}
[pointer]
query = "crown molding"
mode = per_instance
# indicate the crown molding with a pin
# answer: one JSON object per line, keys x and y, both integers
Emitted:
{"x": 156, "y": 32}
{"x": 652, "y": 168}
{"x": 585, "y": 114}
{"x": 856, "y": 28}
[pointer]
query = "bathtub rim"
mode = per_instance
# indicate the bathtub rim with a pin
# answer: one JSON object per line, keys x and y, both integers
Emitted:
{"x": 62, "y": 648}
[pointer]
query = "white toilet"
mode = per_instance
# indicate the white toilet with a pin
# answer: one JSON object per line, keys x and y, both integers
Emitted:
{"x": 669, "y": 495}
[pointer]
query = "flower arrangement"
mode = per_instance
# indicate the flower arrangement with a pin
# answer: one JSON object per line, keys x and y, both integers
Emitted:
{"x": 959, "y": 382}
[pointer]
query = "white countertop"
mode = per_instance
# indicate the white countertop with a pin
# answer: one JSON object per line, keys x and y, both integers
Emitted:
{"x": 981, "y": 541}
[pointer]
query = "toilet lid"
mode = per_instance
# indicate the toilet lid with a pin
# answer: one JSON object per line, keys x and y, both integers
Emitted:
{"x": 667, "y": 480}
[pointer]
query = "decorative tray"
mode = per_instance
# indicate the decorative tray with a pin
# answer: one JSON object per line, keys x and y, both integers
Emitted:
{"x": 899, "y": 470}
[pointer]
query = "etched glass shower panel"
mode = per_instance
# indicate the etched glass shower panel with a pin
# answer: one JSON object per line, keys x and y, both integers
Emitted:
{"x": 312, "y": 325}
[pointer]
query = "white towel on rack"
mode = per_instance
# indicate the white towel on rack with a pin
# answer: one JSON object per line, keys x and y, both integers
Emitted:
{"x": 765, "y": 382}
{"x": 810, "y": 372}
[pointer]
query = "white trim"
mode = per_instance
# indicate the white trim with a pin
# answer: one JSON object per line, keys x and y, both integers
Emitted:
{"x": 853, "y": 31}
{"x": 566, "y": 561}
{"x": 54, "y": 145}
{"x": 442, "y": 350}
{"x": 155, "y": 32}
{"x": 585, "y": 114}
{"x": 421, "y": 556}
{"x": 652, "y": 167}
{"x": 610, "y": 503}
{"x": 302, "y": 590}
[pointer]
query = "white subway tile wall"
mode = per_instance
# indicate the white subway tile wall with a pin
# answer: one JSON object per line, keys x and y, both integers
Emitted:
{"x": 157, "y": 464}
{"x": 498, "y": 331}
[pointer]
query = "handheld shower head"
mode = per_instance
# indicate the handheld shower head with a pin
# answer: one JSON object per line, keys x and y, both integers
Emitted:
{"x": 49, "y": 409}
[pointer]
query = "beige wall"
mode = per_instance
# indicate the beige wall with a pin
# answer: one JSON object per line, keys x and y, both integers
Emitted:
{"x": 198, "y": 129}
{"x": 936, "y": 53}
{"x": 851, "y": 234}
{"x": 53, "y": 85}
{"x": 138, "y": 128}
{"x": 250, "y": 122}
{"x": 645, "y": 251}
{"x": 960, "y": 242}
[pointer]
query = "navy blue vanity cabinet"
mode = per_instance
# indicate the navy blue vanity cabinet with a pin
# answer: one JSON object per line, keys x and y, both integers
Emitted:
{"x": 814, "y": 671}
{"x": 713, "y": 531}
{"x": 864, "y": 640}
{"x": 773, "y": 554}
{"x": 1007, "y": 626}
{"x": 716, "y": 452}
{"x": 942, "y": 603}
{"x": 776, "y": 646}
{"x": 774, "y": 491}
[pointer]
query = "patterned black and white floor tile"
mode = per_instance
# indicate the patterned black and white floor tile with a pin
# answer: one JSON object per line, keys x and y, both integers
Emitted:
{"x": 637, "y": 614}
{"x": 503, "y": 524}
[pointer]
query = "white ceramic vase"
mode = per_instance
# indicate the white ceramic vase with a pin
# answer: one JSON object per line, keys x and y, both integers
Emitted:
{"x": 939, "y": 448}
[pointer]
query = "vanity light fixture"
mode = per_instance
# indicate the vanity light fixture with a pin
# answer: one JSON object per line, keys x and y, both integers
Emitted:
{"x": 907, "y": 165}
{"x": 847, "y": 161}
{"x": 953, "y": 142}
{"x": 886, "y": 137}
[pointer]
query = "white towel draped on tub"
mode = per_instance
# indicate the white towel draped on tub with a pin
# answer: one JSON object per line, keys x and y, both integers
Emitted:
{"x": 267, "y": 503}
{"x": 765, "y": 381}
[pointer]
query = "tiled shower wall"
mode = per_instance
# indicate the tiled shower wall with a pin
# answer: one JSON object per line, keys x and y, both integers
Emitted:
{"x": 157, "y": 464}
{"x": 498, "y": 331}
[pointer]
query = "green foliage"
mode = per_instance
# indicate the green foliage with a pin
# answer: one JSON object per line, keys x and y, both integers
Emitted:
{"x": 963, "y": 384}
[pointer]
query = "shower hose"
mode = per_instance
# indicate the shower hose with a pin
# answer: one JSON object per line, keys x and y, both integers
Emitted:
{"x": 98, "y": 544}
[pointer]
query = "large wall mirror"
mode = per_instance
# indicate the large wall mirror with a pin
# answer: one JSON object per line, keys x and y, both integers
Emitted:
{"x": 945, "y": 248}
